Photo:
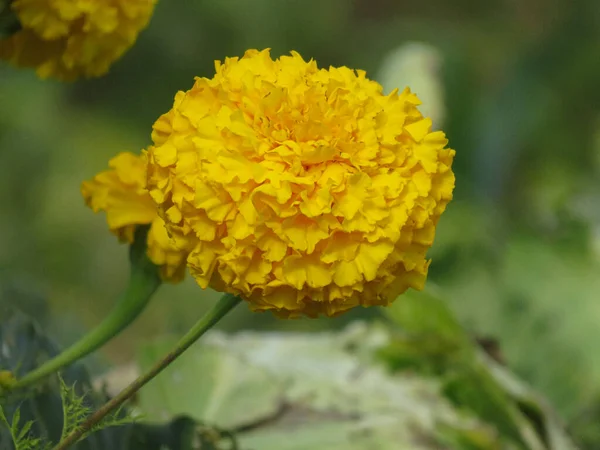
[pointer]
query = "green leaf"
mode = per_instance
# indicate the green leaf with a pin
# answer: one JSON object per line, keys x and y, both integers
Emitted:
{"x": 430, "y": 340}
{"x": 325, "y": 389}
{"x": 537, "y": 408}
{"x": 74, "y": 409}
{"x": 209, "y": 386}
{"x": 22, "y": 434}
{"x": 21, "y": 438}
{"x": 14, "y": 429}
{"x": 425, "y": 314}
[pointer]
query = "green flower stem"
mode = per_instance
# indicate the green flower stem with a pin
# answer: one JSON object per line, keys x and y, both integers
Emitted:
{"x": 223, "y": 306}
{"x": 143, "y": 282}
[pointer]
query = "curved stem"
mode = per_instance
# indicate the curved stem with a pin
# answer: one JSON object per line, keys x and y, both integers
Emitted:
{"x": 223, "y": 306}
{"x": 143, "y": 282}
{"x": 129, "y": 306}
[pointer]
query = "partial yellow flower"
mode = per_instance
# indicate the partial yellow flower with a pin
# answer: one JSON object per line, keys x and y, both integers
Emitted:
{"x": 305, "y": 191}
{"x": 68, "y": 39}
{"x": 121, "y": 193}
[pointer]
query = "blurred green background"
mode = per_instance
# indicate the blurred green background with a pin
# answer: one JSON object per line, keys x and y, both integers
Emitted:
{"x": 514, "y": 83}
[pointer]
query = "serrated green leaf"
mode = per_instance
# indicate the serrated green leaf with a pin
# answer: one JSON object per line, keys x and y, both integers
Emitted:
{"x": 24, "y": 430}
{"x": 3, "y": 417}
{"x": 14, "y": 428}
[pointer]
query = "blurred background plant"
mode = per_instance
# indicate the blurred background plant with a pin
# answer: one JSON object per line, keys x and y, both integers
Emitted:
{"x": 514, "y": 85}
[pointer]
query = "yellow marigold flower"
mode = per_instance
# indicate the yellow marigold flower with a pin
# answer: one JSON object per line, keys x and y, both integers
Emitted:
{"x": 121, "y": 193}
{"x": 302, "y": 190}
{"x": 67, "y": 39}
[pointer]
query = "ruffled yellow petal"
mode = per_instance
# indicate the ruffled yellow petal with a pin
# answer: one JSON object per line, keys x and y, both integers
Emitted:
{"x": 306, "y": 191}
{"x": 121, "y": 193}
{"x": 163, "y": 253}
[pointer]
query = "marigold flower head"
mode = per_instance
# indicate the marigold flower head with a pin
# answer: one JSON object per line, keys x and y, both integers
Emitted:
{"x": 67, "y": 39}
{"x": 121, "y": 193}
{"x": 302, "y": 190}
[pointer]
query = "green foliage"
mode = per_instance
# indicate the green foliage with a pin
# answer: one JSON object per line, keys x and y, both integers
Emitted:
{"x": 431, "y": 339}
{"x": 20, "y": 434}
{"x": 469, "y": 379}
{"x": 537, "y": 296}
{"x": 33, "y": 420}
{"x": 330, "y": 391}
{"x": 333, "y": 393}
{"x": 24, "y": 348}
{"x": 76, "y": 411}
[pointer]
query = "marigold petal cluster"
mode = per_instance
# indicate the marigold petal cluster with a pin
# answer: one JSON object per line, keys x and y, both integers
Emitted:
{"x": 120, "y": 192}
{"x": 68, "y": 39}
{"x": 305, "y": 191}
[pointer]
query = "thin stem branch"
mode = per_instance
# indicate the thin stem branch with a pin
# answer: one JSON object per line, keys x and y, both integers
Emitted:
{"x": 225, "y": 304}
